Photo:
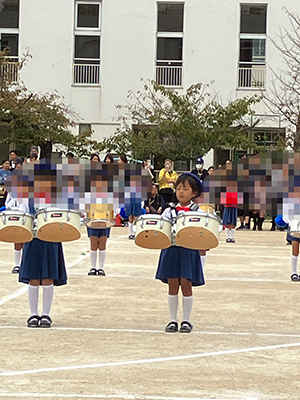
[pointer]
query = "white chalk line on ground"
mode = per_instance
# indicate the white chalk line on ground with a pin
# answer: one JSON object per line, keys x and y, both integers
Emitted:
{"x": 13, "y": 295}
{"x": 24, "y": 288}
{"x": 114, "y": 396}
{"x": 160, "y": 332}
{"x": 150, "y": 360}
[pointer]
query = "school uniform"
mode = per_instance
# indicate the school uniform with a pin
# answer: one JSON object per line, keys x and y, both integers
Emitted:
{"x": 98, "y": 232}
{"x": 179, "y": 262}
{"x": 134, "y": 209}
{"x": 43, "y": 260}
{"x": 230, "y": 216}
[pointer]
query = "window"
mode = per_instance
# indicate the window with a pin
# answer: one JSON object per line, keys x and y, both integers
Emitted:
{"x": 169, "y": 49}
{"x": 10, "y": 41}
{"x": 9, "y": 14}
{"x": 170, "y": 17}
{"x": 85, "y": 128}
{"x": 9, "y": 37}
{"x": 87, "y": 47}
{"x": 86, "y": 69}
{"x": 252, "y": 59}
{"x": 253, "y": 18}
{"x": 88, "y": 16}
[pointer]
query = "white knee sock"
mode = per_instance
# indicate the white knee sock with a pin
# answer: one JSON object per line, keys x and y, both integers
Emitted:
{"x": 232, "y": 232}
{"x": 102, "y": 255}
{"x": 130, "y": 226}
{"x": 203, "y": 260}
{"x": 47, "y": 298}
{"x": 17, "y": 257}
{"x": 33, "y": 297}
{"x": 173, "y": 306}
{"x": 227, "y": 230}
{"x": 93, "y": 256}
{"x": 187, "y": 305}
{"x": 294, "y": 261}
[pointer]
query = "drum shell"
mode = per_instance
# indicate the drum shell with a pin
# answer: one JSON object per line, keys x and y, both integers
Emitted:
{"x": 197, "y": 230}
{"x": 294, "y": 228}
{"x": 100, "y": 220}
{"x": 207, "y": 208}
{"x": 54, "y": 225}
{"x": 16, "y": 227}
{"x": 153, "y": 232}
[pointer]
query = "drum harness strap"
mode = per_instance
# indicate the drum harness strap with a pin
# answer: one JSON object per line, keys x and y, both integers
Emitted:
{"x": 175, "y": 211}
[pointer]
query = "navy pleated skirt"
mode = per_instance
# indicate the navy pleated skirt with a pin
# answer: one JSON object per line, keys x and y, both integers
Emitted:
{"x": 98, "y": 232}
{"x": 135, "y": 210}
{"x": 43, "y": 260}
{"x": 180, "y": 262}
{"x": 230, "y": 216}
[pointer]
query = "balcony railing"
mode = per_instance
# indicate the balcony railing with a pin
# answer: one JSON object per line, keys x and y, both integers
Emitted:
{"x": 9, "y": 71}
{"x": 86, "y": 74}
{"x": 169, "y": 75}
{"x": 251, "y": 78}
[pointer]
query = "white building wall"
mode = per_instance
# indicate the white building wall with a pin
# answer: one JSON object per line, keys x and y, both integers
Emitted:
{"x": 128, "y": 51}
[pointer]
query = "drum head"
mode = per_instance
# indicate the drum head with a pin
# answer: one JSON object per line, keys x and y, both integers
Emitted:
{"x": 15, "y": 234}
{"x": 196, "y": 238}
{"x": 58, "y": 232}
{"x": 152, "y": 239}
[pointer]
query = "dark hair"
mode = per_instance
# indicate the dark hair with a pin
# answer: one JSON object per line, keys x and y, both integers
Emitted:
{"x": 193, "y": 181}
{"x": 19, "y": 160}
{"x": 95, "y": 155}
{"x": 110, "y": 157}
{"x": 6, "y": 159}
{"x": 70, "y": 154}
{"x": 211, "y": 167}
{"x": 33, "y": 155}
{"x": 13, "y": 151}
{"x": 124, "y": 159}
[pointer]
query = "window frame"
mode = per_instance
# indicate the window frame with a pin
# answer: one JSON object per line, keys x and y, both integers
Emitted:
{"x": 248, "y": 71}
{"x": 15, "y": 27}
{"x": 171, "y": 3}
{"x": 83, "y": 28}
{"x": 171, "y": 67}
{"x": 253, "y": 5}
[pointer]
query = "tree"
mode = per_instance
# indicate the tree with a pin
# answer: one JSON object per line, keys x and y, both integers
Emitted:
{"x": 41, "y": 119}
{"x": 285, "y": 82}
{"x": 168, "y": 124}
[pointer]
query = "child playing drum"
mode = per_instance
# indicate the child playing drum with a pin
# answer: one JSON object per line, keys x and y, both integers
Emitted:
{"x": 180, "y": 266}
{"x": 98, "y": 239}
{"x": 42, "y": 264}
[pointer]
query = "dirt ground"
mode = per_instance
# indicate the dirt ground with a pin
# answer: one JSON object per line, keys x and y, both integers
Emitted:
{"x": 108, "y": 341}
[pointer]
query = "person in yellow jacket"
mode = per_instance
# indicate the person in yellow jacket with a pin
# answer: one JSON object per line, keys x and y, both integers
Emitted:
{"x": 167, "y": 179}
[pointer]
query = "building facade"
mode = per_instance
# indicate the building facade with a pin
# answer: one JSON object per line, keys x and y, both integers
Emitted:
{"x": 93, "y": 52}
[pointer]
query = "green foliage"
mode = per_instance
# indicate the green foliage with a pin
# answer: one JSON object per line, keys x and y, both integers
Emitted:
{"x": 28, "y": 118}
{"x": 179, "y": 126}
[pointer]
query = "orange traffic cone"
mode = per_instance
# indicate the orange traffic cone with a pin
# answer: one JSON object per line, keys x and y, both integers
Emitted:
{"x": 118, "y": 220}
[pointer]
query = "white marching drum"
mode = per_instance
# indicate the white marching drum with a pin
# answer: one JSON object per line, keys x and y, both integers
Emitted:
{"x": 294, "y": 228}
{"x": 198, "y": 230}
{"x": 100, "y": 220}
{"x": 55, "y": 225}
{"x": 153, "y": 232}
{"x": 16, "y": 227}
